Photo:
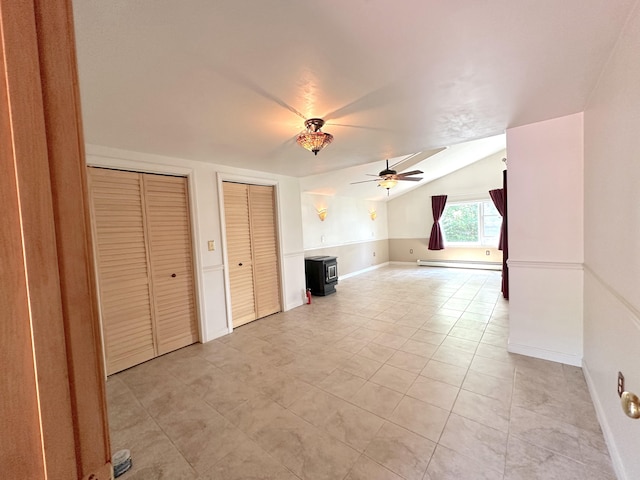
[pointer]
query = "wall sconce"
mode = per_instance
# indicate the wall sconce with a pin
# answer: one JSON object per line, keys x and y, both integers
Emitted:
{"x": 322, "y": 214}
{"x": 373, "y": 214}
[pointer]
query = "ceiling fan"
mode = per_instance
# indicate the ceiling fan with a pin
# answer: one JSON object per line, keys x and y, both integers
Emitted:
{"x": 389, "y": 178}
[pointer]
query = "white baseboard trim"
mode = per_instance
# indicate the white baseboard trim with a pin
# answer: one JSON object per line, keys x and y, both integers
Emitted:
{"x": 559, "y": 357}
{"x": 292, "y": 305}
{"x": 217, "y": 334}
{"x": 460, "y": 264}
{"x": 364, "y": 270}
{"x": 606, "y": 429}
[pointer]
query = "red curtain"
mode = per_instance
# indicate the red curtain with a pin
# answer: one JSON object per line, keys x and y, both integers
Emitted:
{"x": 437, "y": 207}
{"x": 498, "y": 200}
{"x": 499, "y": 197}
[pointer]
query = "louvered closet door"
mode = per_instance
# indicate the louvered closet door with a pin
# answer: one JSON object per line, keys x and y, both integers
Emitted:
{"x": 265, "y": 250}
{"x": 239, "y": 254}
{"x": 169, "y": 238}
{"x": 122, "y": 262}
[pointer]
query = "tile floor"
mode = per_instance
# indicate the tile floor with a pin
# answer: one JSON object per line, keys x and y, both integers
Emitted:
{"x": 402, "y": 374}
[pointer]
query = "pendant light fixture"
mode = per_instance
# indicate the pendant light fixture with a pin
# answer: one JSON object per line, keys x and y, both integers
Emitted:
{"x": 313, "y": 139}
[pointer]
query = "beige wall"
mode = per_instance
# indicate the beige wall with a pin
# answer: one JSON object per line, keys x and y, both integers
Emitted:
{"x": 355, "y": 256}
{"x": 400, "y": 251}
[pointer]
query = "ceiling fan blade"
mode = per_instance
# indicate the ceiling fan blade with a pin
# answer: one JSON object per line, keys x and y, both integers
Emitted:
{"x": 364, "y": 127}
{"x": 234, "y": 76}
{"x": 411, "y": 179}
{"x": 412, "y": 160}
{"x": 365, "y": 181}
{"x": 413, "y": 172}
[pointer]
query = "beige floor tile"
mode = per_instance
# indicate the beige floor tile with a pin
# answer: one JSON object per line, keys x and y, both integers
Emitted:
{"x": 422, "y": 349}
{"x": 202, "y": 435}
{"x": 342, "y": 384}
{"x": 361, "y": 366}
{"x": 493, "y": 339}
{"x": 223, "y": 392}
{"x": 287, "y": 396}
{"x": 444, "y": 372}
{"x": 353, "y": 426}
{"x": 439, "y": 326}
{"x": 306, "y": 452}
{"x": 495, "y": 353}
{"x": 428, "y": 336}
{"x": 420, "y": 417}
{"x": 471, "y": 334}
{"x": 494, "y": 387}
{"x": 155, "y": 457}
{"x": 252, "y": 415}
{"x": 594, "y": 452}
{"x": 394, "y": 378}
{"x": 248, "y": 461}
{"x": 401, "y": 451}
{"x": 526, "y": 461}
{"x": 350, "y": 344}
{"x": 150, "y": 381}
{"x": 434, "y": 392}
{"x": 545, "y": 432}
{"x": 447, "y": 464}
{"x": 364, "y": 333}
{"x": 453, "y": 356}
{"x": 485, "y": 410}
{"x": 374, "y": 351}
{"x": 404, "y": 331}
{"x": 492, "y": 367}
{"x": 366, "y": 469}
{"x": 482, "y": 443}
{"x": 408, "y": 361}
{"x": 377, "y": 399}
{"x": 282, "y": 389}
{"x": 316, "y": 405}
{"x": 460, "y": 343}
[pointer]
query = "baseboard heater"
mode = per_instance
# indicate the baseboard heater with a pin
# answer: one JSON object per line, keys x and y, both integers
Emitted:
{"x": 461, "y": 264}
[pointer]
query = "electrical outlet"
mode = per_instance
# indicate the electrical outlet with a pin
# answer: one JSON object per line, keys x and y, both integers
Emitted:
{"x": 374, "y": 254}
{"x": 487, "y": 252}
{"x": 620, "y": 384}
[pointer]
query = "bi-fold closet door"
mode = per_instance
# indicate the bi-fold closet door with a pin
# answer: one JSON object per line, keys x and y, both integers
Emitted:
{"x": 145, "y": 264}
{"x": 252, "y": 251}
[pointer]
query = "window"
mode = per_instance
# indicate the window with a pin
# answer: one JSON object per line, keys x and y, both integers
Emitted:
{"x": 471, "y": 223}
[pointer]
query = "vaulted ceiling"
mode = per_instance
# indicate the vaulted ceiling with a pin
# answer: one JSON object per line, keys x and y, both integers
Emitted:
{"x": 231, "y": 82}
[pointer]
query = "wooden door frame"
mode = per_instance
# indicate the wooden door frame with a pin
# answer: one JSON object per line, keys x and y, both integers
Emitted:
{"x": 53, "y": 391}
{"x": 230, "y": 177}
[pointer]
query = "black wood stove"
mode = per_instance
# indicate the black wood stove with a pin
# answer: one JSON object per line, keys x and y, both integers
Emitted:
{"x": 322, "y": 274}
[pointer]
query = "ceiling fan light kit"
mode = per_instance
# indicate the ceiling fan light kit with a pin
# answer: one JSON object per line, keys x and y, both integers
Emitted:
{"x": 388, "y": 178}
{"x": 313, "y": 139}
{"x": 388, "y": 183}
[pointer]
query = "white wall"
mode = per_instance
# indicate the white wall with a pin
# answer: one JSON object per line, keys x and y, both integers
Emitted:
{"x": 612, "y": 245}
{"x": 348, "y": 221}
{"x": 206, "y": 224}
{"x": 545, "y": 202}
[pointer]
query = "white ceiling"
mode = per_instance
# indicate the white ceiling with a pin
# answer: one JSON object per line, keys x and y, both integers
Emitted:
{"x": 230, "y": 82}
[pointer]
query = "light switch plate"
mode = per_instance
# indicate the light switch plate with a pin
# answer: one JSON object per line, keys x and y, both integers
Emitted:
{"x": 212, "y": 245}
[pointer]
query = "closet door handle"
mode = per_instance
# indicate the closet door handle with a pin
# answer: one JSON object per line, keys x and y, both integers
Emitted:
{"x": 240, "y": 264}
{"x": 173, "y": 275}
